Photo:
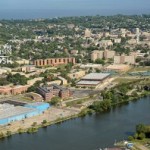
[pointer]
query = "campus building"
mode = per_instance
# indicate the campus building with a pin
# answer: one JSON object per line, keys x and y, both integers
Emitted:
{"x": 124, "y": 59}
{"x": 106, "y": 54}
{"x": 93, "y": 79}
{"x": 118, "y": 68}
{"x": 18, "y": 89}
{"x": 54, "y": 90}
{"x": 28, "y": 68}
{"x": 10, "y": 112}
{"x": 54, "y": 61}
{"x": 87, "y": 33}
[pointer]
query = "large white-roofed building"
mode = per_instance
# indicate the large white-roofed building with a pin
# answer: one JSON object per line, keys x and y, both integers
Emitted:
{"x": 11, "y": 111}
{"x": 93, "y": 79}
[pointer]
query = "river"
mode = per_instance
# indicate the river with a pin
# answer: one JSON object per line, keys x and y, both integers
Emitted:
{"x": 87, "y": 133}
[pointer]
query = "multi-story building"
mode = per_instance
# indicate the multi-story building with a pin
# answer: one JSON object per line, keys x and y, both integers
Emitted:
{"x": 102, "y": 54}
{"x": 87, "y": 33}
{"x": 118, "y": 40}
{"x": 19, "y": 89}
{"x": 105, "y": 43}
{"x": 54, "y": 61}
{"x": 54, "y": 90}
{"x": 7, "y": 90}
{"x": 45, "y": 93}
{"x": 97, "y": 54}
{"x": 124, "y": 59}
{"x": 109, "y": 54}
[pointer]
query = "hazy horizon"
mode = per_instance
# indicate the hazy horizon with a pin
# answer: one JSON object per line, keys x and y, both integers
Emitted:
{"x": 28, "y": 9}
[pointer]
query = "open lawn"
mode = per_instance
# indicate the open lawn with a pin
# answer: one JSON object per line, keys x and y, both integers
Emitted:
{"x": 141, "y": 68}
{"x": 121, "y": 80}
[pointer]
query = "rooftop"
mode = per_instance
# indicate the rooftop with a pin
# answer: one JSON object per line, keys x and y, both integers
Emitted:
{"x": 35, "y": 104}
{"x": 88, "y": 83}
{"x": 12, "y": 111}
{"x": 97, "y": 76}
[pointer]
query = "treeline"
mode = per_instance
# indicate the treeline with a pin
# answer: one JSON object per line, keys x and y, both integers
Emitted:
{"x": 101, "y": 106}
{"x": 15, "y": 79}
{"x": 142, "y": 132}
{"x": 120, "y": 94}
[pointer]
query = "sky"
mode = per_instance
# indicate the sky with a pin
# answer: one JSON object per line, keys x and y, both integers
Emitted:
{"x": 25, "y": 9}
{"x": 75, "y": 4}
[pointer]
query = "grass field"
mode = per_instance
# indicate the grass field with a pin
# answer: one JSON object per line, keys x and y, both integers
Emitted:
{"x": 125, "y": 80}
{"x": 141, "y": 68}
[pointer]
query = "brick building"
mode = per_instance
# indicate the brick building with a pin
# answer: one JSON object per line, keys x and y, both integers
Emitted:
{"x": 54, "y": 61}
{"x": 54, "y": 90}
{"x": 7, "y": 90}
{"x": 19, "y": 89}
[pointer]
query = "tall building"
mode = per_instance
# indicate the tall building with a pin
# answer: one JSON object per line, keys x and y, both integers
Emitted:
{"x": 105, "y": 43}
{"x": 109, "y": 54}
{"x": 137, "y": 35}
{"x": 106, "y": 54}
{"x": 124, "y": 59}
{"x": 87, "y": 33}
{"x": 97, "y": 54}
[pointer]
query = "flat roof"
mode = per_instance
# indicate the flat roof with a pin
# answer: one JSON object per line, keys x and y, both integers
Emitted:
{"x": 15, "y": 111}
{"x": 12, "y": 102}
{"x": 35, "y": 104}
{"x": 119, "y": 66}
{"x": 97, "y": 76}
{"x": 88, "y": 82}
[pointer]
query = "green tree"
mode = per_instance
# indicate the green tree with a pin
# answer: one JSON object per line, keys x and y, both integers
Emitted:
{"x": 44, "y": 122}
{"x": 140, "y": 128}
{"x": 130, "y": 138}
{"x": 2, "y": 135}
{"x": 8, "y": 133}
{"x": 141, "y": 136}
{"x": 99, "y": 61}
{"x": 34, "y": 124}
{"x": 55, "y": 100}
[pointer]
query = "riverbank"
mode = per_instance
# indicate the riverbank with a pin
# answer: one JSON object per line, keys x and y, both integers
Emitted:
{"x": 52, "y": 116}
{"x": 30, "y": 125}
{"x": 136, "y": 144}
{"x": 87, "y": 133}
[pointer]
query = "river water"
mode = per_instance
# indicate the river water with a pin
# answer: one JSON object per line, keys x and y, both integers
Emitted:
{"x": 87, "y": 133}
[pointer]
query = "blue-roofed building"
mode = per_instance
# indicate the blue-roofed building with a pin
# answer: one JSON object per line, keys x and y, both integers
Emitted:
{"x": 39, "y": 106}
{"x": 10, "y": 113}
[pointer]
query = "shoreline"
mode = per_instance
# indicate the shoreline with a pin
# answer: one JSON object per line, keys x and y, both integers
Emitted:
{"x": 34, "y": 128}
